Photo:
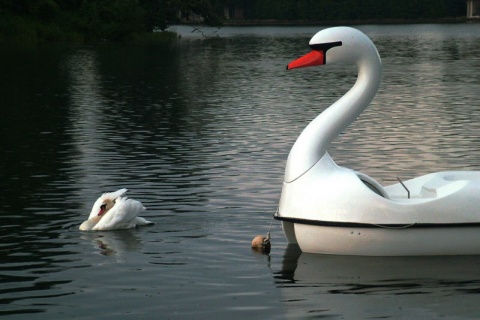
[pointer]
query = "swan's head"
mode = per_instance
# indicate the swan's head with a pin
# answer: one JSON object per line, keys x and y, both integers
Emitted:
{"x": 105, "y": 203}
{"x": 101, "y": 207}
{"x": 338, "y": 45}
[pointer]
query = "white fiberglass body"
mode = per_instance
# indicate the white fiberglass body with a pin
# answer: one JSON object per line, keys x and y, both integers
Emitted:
{"x": 329, "y": 209}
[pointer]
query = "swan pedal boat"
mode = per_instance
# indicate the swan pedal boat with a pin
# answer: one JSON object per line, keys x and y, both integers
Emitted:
{"x": 329, "y": 209}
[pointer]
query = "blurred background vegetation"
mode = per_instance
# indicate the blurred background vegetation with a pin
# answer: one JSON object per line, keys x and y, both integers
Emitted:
{"x": 325, "y": 10}
{"x": 125, "y": 20}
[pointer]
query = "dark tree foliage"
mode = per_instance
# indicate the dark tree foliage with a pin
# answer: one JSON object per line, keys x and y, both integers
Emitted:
{"x": 108, "y": 19}
{"x": 321, "y": 10}
{"x": 120, "y": 19}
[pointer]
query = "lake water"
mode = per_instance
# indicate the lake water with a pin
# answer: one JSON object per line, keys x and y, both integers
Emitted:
{"x": 200, "y": 131}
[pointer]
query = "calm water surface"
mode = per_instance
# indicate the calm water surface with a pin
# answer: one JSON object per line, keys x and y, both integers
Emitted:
{"x": 199, "y": 131}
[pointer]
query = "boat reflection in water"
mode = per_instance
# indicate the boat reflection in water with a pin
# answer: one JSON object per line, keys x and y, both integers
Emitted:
{"x": 356, "y": 287}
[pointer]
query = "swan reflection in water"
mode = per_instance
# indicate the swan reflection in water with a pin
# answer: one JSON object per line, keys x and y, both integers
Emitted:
{"x": 118, "y": 242}
{"x": 354, "y": 287}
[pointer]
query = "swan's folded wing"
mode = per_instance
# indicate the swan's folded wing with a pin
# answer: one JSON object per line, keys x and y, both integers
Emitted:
{"x": 116, "y": 194}
{"x": 122, "y": 216}
{"x": 139, "y": 221}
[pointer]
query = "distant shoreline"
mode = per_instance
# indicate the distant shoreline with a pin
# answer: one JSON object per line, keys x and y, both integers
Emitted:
{"x": 240, "y": 23}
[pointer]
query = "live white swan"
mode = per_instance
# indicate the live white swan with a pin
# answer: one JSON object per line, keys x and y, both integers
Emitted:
{"x": 113, "y": 211}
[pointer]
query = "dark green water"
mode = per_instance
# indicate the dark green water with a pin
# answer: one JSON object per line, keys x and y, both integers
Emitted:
{"x": 199, "y": 131}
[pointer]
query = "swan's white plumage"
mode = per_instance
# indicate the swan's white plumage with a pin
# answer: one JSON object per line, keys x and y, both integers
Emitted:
{"x": 114, "y": 211}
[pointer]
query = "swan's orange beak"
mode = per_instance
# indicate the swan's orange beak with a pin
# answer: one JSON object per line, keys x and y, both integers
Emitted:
{"x": 103, "y": 208}
{"x": 314, "y": 58}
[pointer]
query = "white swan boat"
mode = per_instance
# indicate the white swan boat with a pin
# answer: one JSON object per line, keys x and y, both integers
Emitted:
{"x": 328, "y": 209}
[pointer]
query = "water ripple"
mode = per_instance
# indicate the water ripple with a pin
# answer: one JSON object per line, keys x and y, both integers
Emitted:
{"x": 200, "y": 131}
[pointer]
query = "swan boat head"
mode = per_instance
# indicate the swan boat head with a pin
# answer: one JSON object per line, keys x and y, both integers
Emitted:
{"x": 334, "y": 46}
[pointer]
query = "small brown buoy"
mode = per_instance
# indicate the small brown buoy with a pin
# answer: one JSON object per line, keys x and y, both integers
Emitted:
{"x": 261, "y": 243}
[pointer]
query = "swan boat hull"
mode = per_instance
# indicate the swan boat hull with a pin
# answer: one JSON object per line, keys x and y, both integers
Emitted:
{"x": 428, "y": 215}
{"x": 355, "y": 239}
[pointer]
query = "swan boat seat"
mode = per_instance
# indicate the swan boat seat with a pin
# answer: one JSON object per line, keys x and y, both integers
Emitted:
{"x": 430, "y": 186}
{"x": 372, "y": 184}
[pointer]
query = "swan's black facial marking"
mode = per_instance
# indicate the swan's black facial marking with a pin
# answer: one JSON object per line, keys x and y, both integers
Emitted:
{"x": 324, "y": 47}
{"x": 103, "y": 207}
